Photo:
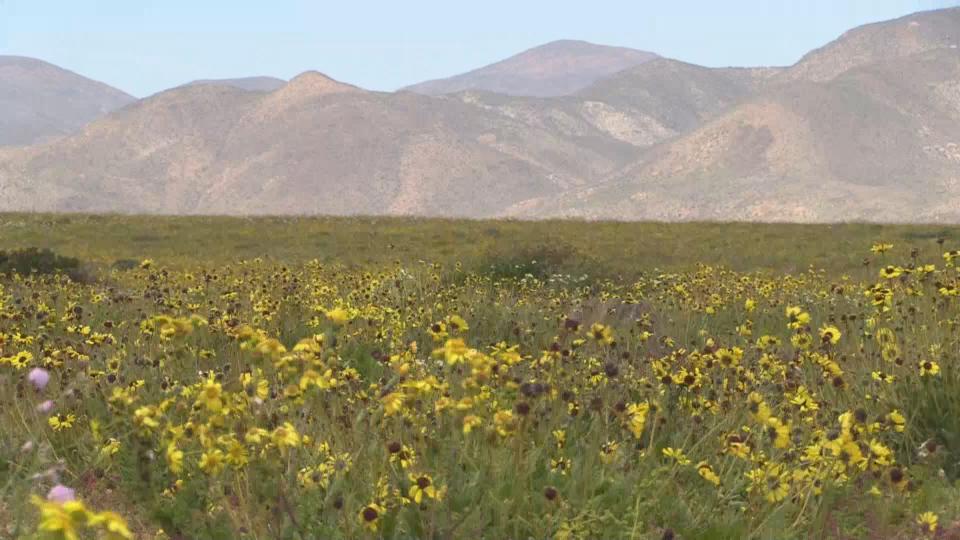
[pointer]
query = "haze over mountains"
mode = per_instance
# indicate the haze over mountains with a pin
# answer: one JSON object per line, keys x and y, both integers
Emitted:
{"x": 39, "y": 100}
{"x": 558, "y": 68}
{"x": 865, "y": 128}
{"x": 252, "y": 84}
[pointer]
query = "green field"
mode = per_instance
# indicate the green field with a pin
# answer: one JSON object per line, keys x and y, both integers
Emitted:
{"x": 406, "y": 378}
{"x": 613, "y": 249}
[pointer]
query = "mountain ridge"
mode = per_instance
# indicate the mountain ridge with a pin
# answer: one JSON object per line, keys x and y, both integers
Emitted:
{"x": 866, "y": 127}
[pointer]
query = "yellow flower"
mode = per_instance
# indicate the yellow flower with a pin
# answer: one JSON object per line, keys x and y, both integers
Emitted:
{"x": 778, "y": 432}
{"x": 928, "y": 520}
{"x": 61, "y": 520}
{"x": 758, "y": 408}
{"x": 608, "y": 451}
{"x": 637, "y": 418}
{"x": 370, "y": 516}
{"x": 392, "y": 403}
{"x": 798, "y": 318}
{"x": 929, "y": 368}
{"x": 422, "y": 486}
{"x": 61, "y": 421}
{"x": 706, "y": 471}
{"x": 457, "y": 324}
{"x": 211, "y": 396}
{"x": 829, "y": 334}
{"x": 110, "y": 447}
{"x": 504, "y": 422}
{"x": 471, "y": 421}
{"x": 212, "y": 462}
{"x": 114, "y": 526}
{"x": 601, "y": 334}
{"x": 285, "y": 436}
{"x": 338, "y": 316}
{"x": 891, "y": 272}
{"x": 897, "y": 420}
{"x": 677, "y": 455}
{"x": 454, "y": 351}
{"x": 174, "y": 458}
{"x": 560, "y": 465}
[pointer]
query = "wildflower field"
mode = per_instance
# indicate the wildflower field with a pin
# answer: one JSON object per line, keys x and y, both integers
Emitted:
{"x": 195, "y": 378}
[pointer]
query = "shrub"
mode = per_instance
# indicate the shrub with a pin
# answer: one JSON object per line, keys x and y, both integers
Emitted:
{"x": 40, "y": 261}
{"x": 541, "y": 261}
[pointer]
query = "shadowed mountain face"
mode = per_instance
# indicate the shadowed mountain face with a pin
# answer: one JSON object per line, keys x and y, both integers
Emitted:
{"x": 558, "y": 68}
{"x": 865, "y": 128}
{"x": 39, "y": 101}
{"x": 250, "y": 84}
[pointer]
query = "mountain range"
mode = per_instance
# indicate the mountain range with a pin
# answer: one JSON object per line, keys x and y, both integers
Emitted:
{"x": 866, "y": 127}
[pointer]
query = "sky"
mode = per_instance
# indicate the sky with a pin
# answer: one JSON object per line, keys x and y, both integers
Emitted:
{"x": 145, "y": 46}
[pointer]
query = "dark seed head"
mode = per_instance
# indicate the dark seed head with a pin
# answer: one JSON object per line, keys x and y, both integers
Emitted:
{"x": 896, "y": 475}
{"x": 550, "y": 493}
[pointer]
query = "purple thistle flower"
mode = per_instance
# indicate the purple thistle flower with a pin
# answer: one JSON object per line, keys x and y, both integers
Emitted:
{"x": 61, "y": 494}
{"x": 39, "y": 377}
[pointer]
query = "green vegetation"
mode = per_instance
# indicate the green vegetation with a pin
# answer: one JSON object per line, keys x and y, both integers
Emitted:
{"x": 609, "y": 248}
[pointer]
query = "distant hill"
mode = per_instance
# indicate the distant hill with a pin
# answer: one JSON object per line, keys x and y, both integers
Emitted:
{"x": 864, "y": 128}
{"x": 39, "y": 100}
{"x": 314, "y": 146}
{"x": 251, "y": 84}
{"x": 557, "y": 68}
{"x": 877, "y": 142}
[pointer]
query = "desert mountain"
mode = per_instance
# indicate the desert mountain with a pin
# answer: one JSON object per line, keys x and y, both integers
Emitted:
{"x": 878, "y": 141}
{"x": 313, "y": 146}
{"x": 865, "y": 128}
{"x": 250, "y": 84}
{"x": 557, "y": 68}
{"x": 879, "y": 42}
{"x": 39, "y": 100}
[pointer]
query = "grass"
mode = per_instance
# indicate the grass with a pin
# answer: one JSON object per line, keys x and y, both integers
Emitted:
{"x": 610, "y": 248}
{"x": 308, "y": 378}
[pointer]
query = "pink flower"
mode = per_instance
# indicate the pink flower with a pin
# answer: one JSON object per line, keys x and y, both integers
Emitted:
{"x": 61, "y": 494}
{"x": 39, "y": 377}
{"x": 45, "y": 407}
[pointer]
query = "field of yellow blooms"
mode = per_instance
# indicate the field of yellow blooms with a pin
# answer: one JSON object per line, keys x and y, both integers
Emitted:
{"x": 272, "y": 399}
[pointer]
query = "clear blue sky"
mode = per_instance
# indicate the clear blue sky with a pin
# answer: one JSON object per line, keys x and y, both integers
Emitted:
{"x": 143, "y": 46}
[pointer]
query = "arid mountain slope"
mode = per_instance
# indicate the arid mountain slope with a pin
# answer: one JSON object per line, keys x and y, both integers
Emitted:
{"x": 39, "y": 100}
{"x": 313, "y": 146}
{"x": 879, "y": 42}
{"x": 880, "y": 142}
{"x": 557, "y": 68}
{"x": 641, "y": 106}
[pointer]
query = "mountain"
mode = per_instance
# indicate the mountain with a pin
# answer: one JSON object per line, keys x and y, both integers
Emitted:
{"x": 314, "y": 146}
{"x": 879, "y": 141}
{"x": 557, "y": 68}
{"x": 878, "y": 42}
{"x": 641, "y": 106}
{"x": 39, "y": 100}
{"x": 250, "y": 84}
{"x": 864, "y": 128}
